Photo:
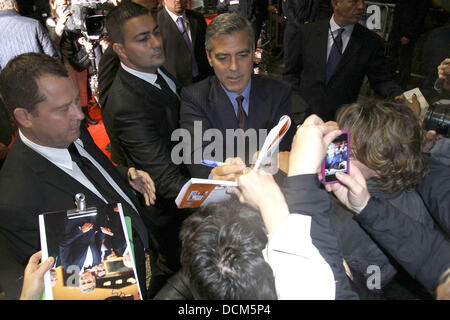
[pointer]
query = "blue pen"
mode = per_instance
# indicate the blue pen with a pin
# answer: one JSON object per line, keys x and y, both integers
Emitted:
{"x": 212, "y": 163}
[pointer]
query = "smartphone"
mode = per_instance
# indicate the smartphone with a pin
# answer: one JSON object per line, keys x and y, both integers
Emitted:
{"x": 336, "y": 159}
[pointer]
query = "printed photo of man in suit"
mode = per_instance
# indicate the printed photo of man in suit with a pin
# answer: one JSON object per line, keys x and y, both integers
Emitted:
{"x": 234, "y": 98}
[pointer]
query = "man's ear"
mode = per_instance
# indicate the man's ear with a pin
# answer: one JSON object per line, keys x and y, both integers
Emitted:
{"x": 208, "y": 55}
{"x": 23, "y": 117}
{"x": 119, "y": 50}
{"x": 333, "y": 3}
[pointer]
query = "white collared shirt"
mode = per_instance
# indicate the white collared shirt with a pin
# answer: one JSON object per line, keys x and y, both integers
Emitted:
{"x": 151, "y": 77}
{"x": 62, "y": 159}
{"x": 300, "y": 271}
{"x": 345, "y": 35}
{"x": 185, "y": 20}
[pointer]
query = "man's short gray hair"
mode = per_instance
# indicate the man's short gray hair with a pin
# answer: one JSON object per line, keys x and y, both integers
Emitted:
{"x": 228, "y": 23}
{"x": 7, "y": 4}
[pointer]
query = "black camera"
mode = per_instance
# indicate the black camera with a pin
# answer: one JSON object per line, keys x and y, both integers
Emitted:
{"x": 437, "y": 118}
{"x": 89, "y": 17}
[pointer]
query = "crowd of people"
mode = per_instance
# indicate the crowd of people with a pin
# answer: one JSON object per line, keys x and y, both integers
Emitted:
{"x": 161, "y": 70}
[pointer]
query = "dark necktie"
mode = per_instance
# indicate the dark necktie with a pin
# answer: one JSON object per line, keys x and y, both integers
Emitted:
{"x": 188, "y": 41}
{"x": 106, "y": 190}
{"x": 95, "y": 176}
{"x": 164, "y": 86}
{"x": 335, "y": 54}
{"x": 242, "y": 117}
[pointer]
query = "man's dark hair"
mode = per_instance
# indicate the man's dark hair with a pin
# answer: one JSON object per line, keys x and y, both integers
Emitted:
{"x": 18, "y": 80}
{"x": 227, "y": 24}
{"x": 118, "y": 16}
{"x": 222, "y": 254}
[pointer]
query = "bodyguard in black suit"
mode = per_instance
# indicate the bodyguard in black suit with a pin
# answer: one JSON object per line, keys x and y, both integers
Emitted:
{"x": 213, "y": 101}
{"x": 40, "y": 175}
{"x": 141, "y": 112}
{"x": 328, "y": 68}
{"x": 183, "y": 42}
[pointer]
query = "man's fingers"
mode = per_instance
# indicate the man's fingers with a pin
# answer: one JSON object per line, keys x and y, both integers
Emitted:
{"x": 35, "y": 258}
{"x": 313, "y": 120}
{"x": 132, "y": 174}
{"x": 226, "y": 170}
{"x": 330, "y": 136}
{"x": 45, "y": 266}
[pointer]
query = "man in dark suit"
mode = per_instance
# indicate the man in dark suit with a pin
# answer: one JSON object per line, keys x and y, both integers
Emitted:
{"x": 183, "y": 35}
{"x": 254, "y": 11}
{"x": 40, "y": 173}
{"x": 331, "y": 59}
{"x": 214, "y": 104}
{"x": 140, "y": 114}
{"x": 407, "y": 25}
{"x": 109, "y": 62}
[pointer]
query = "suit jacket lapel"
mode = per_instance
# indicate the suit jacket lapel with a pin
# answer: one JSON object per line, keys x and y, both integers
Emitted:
{"x": 352, "y": 49}
{"x": 193, "y": 26}
{"x": 221, "y": 106}
{"x": 52, "y": 174}
{"x": 320, "y": 47}
{"x": 168, "y": 103}
{"x": 258, "y": 108}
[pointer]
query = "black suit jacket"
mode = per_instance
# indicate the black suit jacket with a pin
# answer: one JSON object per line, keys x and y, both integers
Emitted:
{"x": 74, "y": 244}
{"x": 178, "y": 57}
{"x": 139, "y": 119}
{"x": 363, "y": 56}
{"x": 31, "y": 185}
{"x": 206, "y": 101}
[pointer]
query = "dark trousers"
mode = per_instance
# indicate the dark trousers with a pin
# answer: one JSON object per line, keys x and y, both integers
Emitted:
{"x": 401, "y": 60}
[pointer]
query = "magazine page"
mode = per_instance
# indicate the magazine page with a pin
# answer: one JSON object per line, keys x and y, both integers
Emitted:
{"x": 200, "y": 192}
{"x": 93, "y": 255}
{"x": 270, "y": 146}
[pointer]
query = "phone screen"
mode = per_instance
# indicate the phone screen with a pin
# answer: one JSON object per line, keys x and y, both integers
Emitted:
{"x": 336, "y": 159}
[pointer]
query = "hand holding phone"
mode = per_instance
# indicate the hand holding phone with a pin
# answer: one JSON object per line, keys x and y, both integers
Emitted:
{"x": 337, "y": 158}
{"x": 309, "y": 146}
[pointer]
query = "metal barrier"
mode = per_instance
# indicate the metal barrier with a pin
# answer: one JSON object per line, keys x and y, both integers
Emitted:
{"x": 379, "y": 17}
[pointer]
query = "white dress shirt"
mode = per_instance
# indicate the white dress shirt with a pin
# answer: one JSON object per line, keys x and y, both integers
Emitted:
{"x": 185, "y": 21}
{"x": 345, "y": 35}
{"x": 151, "y": 77}
{"x": 62, "y": 159}
{"x": 300, "y": 271}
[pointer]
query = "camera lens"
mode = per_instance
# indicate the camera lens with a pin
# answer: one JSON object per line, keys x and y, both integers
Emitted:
{"x": 437, "y": 118}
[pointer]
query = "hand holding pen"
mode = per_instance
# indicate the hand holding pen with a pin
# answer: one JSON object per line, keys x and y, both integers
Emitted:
{"x": 229, "y": 170}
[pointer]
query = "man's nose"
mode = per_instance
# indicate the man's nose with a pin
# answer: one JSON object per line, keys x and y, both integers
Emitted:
{"x": 233, "y": 64}
{"x": 78, "y": 112}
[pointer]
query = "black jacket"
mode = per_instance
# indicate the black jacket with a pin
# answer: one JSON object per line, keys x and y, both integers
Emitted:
{"x": 304, "y": 196}
{"x": 424, "y": 252}
{"x": 435, "y": 192}
{"x": 139, "y": 119}
{"x": 299, "y": 11}
{"x": 409, "y": 17}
